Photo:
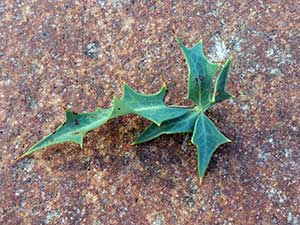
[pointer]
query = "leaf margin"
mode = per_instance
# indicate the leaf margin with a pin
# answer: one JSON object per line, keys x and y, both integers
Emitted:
{"x": 113, "y": 112}
{"x": 225, "y": 140}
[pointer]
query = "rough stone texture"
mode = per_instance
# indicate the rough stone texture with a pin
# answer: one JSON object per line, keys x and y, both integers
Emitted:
{"x": 44, "y": 66}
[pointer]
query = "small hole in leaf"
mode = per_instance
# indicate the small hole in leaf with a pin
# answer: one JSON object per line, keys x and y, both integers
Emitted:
{"x": 76, "y": 122}
{"x": 201, "y": 77}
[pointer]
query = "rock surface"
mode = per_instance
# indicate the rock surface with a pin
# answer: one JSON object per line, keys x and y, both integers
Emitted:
{"x": 45, "y": 66}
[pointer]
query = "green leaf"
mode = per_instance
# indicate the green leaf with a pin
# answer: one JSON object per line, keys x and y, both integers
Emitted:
{"x": 73, "y": 130}
{"x": 151, "y": 107}
{"x": 181, "y": 124}
{"x": 201, "y": 73}
{"x": 207, "y": 138}
{"x": 166, "y": 119}
{"x": 220, "y": 93}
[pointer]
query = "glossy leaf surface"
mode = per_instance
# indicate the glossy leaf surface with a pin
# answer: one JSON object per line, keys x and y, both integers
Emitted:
{"x": 207, "y": 138}
{"x": 166, "y": 119}
{"x": 151, "y": 107}
{"x": 183, "y": 124}
{"x": 201, "y": 74}
{"x": 220, "y": 93}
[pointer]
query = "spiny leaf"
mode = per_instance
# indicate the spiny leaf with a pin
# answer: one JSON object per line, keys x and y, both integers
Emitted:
{"x": 166, "y": 120}
{"x": 220, "y": 93}
{"x": 206, "y": 135}
{"x": 201, "y": 73}
{"x": 151, "y": 107}
{"x": 73, "y": 130}
{"x": 208, "y": 138}
{"x": 181, "y": 124}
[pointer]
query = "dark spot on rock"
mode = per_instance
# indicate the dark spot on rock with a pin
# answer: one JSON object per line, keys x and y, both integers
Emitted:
{"x": 218, "y": 93}
{"x": 168, "y": 183}
{"x": 87, "y": 163}
{"x": 45, "y": 34}
{"x": 189, "y": 200}
{"x": 281, "y": 114}
{"x": 201, "y": 77}
{"x": 76, "y": 122}
{"x": 67, "y": 5}
{"x": 136, "y": 199}
{"x": 125, "y": 161}
{"x": 174, "y": 159}
{"x": 93, "y": 50}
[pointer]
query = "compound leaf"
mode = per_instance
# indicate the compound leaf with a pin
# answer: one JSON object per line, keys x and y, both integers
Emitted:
{"x": 181, "y": 124}
{"x": 201, "y": 73}
{"x": 207, "y": 138}
{"x": 166, "y": 119}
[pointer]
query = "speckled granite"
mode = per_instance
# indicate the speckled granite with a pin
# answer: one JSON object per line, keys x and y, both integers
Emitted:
{"x": 78, "y": 53}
